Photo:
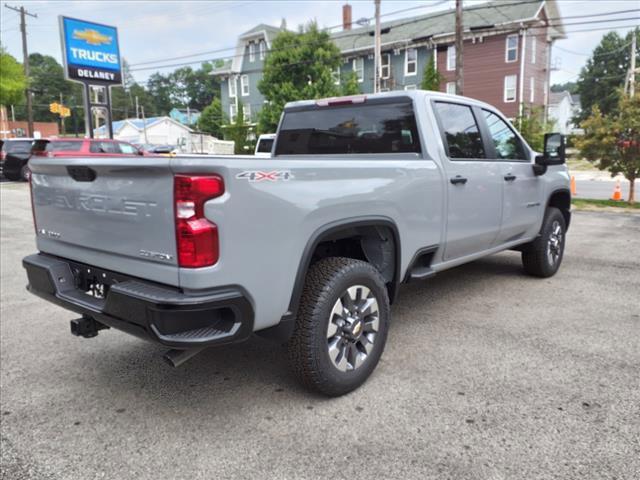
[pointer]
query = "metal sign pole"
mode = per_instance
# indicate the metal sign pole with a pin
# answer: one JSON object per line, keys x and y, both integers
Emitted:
{"x": 109, "y": 119}
{"x": 88, "y": 122}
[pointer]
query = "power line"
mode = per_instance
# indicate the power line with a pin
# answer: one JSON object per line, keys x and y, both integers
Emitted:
{"x": 230, "y": 57}
{"x": 324, "y": 29}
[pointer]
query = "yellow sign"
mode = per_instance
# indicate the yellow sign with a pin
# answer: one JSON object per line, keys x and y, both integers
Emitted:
{"x": 92, "y": 37}
{"x": 54, "y": 107}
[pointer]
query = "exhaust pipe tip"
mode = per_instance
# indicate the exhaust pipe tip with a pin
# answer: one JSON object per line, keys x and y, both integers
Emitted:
{"x": 176, "y": 357}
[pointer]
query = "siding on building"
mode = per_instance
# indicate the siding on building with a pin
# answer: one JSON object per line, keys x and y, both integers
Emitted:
{"x": 485, "y": 67}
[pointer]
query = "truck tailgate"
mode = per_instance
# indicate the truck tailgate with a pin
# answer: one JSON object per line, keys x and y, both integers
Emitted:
{"x": 114, "y": 213}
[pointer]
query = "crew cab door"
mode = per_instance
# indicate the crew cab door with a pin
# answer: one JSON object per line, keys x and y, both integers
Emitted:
{"x": 474, "y": 182}
{"x": 521, "y": 194}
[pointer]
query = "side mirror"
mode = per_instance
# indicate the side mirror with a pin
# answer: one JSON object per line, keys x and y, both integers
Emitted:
{"x": 554, "y": 153}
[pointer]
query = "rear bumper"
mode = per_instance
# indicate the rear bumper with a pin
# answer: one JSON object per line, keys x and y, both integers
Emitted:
{"x": 148, "y": 310}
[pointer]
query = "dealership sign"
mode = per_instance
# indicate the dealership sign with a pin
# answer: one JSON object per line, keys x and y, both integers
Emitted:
{"x": 90, "y": 51}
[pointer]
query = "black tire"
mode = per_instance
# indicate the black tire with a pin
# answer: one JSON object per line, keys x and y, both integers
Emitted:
{"x": 25, "y": 173}
{"x": 543, "y": 256}
{"x": 327, "y": 281}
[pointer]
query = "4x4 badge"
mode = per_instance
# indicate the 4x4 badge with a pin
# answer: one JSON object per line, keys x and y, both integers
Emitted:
{"x": 258, "y": 176}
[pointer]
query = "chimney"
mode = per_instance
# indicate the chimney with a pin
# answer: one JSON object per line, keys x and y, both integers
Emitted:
{"x": 346, "y": 17}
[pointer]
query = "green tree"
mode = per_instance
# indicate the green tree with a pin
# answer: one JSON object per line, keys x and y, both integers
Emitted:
{"x": 571, "y": 87}
{"x": 12, "y": 80}
{"x": 299, "y": 66}
{"x": 350, "y": 85}
{"x": 47, "y": 82}
{"x": 604, "y": 73}
{"x": 612, "y": 141}
{"x": 431, "y": 78}
{"x": 211, "y": 119}
{"x": 238, "y": 131}
{"x": 532, "y": 127}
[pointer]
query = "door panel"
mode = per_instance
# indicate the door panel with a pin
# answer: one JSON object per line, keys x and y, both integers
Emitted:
{"x": 474, "y": 183}
{"x": 474, "y": 207}
{"x": 521, "y": 205}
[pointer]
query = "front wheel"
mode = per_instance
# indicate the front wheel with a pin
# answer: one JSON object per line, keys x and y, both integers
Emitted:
{"x": 341, "y": 327}
{"x": 542, "y": 258}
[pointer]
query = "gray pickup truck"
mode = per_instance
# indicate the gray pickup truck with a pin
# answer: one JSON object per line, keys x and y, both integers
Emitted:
{"x": 309, "y": 246}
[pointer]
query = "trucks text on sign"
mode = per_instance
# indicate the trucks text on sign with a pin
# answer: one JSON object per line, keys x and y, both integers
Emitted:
{"x": 91, "y": 51}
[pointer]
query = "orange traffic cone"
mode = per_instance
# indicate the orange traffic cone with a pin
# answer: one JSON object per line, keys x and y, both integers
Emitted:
{"x": 573, "y": 185}
{"x": 617, "y": 192}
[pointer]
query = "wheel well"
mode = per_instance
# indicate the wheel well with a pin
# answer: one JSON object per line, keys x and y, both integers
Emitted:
{"x": 562, "y": 201}
{"x": 374, "y": 244}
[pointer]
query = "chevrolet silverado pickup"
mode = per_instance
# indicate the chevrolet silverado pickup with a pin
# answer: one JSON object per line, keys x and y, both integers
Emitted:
{"x": 309, "y": 246}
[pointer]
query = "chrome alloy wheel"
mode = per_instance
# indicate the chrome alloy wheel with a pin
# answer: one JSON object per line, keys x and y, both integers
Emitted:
{"x": 554, "y": 244}
{"x": 353, "y": 325}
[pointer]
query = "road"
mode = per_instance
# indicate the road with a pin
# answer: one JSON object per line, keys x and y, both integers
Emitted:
{"x": 600, "y": 189}
{"x": 488, "y": 374}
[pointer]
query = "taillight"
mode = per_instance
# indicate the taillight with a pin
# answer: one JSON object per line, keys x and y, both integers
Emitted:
{"x": 196, "y": 237}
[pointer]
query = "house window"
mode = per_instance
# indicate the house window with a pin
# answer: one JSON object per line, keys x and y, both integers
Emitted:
{"x": 532, "y": 89}
{"x": 233, "y": 111}
{"x": 232, "y": 87}
{"x": 335, "y": 74}
{"x": 451, "y": 88}
{"x": 451, "y": 57}
{"x": 510, "y": 82}
{"x": 252, "y": 52}
{"x": 511, "y": 53}
{"x": 246, "y": 110}
{"x": 410, "y": 87}
{"x": 410, "y": 61}
{"x": 533, "y": 49}
{"x": 385, "y": 66}
{"x": 244, "y": 85}
{"x": 358, "y": 67}
{"x": 262, "y": 46}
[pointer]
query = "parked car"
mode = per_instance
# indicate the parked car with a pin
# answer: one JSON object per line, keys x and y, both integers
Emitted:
{"x": 14, "y": 155}
{"x": 15, "y": 165}
{"x": 65, "y": 147}
{"x": 311, "y": 246}
{"x": 163, "y": 149}
{"x": 264, "y": 145}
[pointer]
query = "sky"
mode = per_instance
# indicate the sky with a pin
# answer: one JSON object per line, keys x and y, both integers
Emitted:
{"x": 151, "y": 30}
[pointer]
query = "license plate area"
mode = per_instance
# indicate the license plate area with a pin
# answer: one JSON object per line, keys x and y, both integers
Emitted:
{"x": 93, "y": 281}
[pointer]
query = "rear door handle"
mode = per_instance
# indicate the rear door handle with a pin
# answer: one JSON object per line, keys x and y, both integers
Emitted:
{"x": 509, "y": 177}
{"x": 458, "y": 180}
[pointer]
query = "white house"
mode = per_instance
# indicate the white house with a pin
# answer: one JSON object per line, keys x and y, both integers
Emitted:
{"x": 154, "y": 130}
{"x": 562, "y": 108}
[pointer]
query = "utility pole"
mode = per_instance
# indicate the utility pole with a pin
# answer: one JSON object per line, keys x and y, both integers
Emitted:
{"x": 25, "y": 54}
{"x": 632, "y": 72}
{"x": 459, "y": 39}
{"x": 137, "y": 108}
{"x": 377, "y": 55}
{"x": 144, "y": 123}
{"x": 61, "y": 116}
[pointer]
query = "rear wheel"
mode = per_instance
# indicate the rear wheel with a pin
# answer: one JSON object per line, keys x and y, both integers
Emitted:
{"x": 342, "y": 325}
{"x": 542, "y": 258}
{"x": 25, "y": 173}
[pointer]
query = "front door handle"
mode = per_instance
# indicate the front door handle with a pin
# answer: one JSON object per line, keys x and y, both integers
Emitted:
{"x": 458, "y": 180}
{"x": 510, "y": 177}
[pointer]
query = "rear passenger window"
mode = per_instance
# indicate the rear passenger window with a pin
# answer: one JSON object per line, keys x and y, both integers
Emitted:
{"x": 460, "y": 130}
{"x": 349, "y": 129}
{"x": 104, "y": 147}
{"x": 507, "y": 144}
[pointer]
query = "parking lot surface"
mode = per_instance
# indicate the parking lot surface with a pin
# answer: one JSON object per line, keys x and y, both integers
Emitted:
{"x": 487, "y": 374}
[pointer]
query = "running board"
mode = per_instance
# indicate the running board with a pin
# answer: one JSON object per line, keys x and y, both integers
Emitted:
{"x": 421, "y": 273}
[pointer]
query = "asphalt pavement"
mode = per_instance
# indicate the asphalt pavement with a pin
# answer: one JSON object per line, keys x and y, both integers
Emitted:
{"x": 487, "y": 374}
{"x": 600, "y": 189}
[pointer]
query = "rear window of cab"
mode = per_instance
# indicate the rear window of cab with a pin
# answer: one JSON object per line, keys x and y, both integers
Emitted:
{"x": 354, "y": 128}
